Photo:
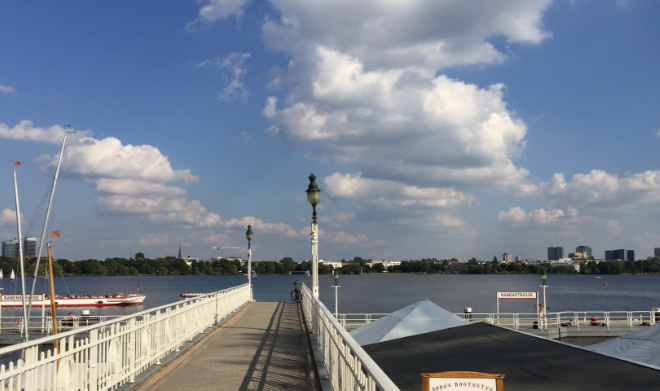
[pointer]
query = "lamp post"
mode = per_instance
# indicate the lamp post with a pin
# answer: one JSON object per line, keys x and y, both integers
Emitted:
{"x": 248, "y": 236}
{"x": 313, "y": 197}
{"x": 544, "y": 278}
{"x": 335, "y": 275}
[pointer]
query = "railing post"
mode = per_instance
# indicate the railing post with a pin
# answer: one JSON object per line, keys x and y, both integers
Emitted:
{"x": 92, "y": 367}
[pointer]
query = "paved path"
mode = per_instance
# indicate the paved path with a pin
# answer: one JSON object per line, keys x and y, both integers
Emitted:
{"x": 263, "y": 347}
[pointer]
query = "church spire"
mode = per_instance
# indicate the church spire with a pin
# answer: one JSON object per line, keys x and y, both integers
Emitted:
{"x": 179, "y": 251}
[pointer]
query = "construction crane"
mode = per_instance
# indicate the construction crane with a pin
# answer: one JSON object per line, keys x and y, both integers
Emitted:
{"x": 219, "y": 248}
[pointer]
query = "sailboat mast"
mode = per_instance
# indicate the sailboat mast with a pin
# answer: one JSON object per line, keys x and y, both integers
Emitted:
{"x": 43, "y": 231}
{"x": 20, "y": 259}
{"x": 53, "y": 307}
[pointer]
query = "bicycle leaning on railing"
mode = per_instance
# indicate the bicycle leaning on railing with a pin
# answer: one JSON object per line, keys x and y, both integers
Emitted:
{"x": 296, "y": 295}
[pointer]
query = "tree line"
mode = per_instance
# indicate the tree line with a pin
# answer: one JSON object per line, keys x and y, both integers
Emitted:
{"x": 176, "y": 266}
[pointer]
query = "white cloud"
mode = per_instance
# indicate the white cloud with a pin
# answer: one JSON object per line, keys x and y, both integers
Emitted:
{"x": 414, "y": 34}
{"x": 517, "y": 215}
{"x": 25, "y": 131}
{"x": 214, "y": 10}
{"x": 233, "y": 71}
{"x": 599, "y": 189}
{"x": 7, "y": 89}
{"x": 563, "y": 223}
{"x": 109, "y": 158}
{"x": 261, "y": 226}
{"x": 8, "y": 217}
{"x": 127, "y": 179}
{"x": 434, "y": 132}
{"x": 393, "y": 194}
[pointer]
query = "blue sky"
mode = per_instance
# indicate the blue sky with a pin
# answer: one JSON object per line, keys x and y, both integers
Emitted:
{"x": 436, "y": 128}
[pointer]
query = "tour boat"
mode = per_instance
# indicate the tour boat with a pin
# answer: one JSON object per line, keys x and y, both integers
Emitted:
{"x": 9, "y": 300}
{"x": 192, "y": 294}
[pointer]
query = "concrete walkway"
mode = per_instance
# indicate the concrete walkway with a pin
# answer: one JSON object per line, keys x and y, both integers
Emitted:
{"x": 263, "y": 347}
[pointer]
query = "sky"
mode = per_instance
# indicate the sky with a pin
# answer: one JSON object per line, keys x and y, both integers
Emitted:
{"x": 436, "y": 129}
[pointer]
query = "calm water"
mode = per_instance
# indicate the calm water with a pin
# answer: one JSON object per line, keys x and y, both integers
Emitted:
{"x": 380, "y": 293}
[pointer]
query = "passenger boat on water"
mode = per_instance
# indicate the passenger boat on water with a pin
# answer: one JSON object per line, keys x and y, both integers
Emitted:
{"x": 39, "y": 300}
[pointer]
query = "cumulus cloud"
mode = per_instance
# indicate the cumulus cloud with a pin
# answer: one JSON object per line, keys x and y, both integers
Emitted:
{"x": 7, "y": 89}
{"x": 599, "y": 189}
{"x": 517, "y": 215}
{"x": 566, "y": 223}
{"x": 233, "y": 71}
{"x": 262, "y": 226}
{"x": 431, "y": 132}
{"x": 356, "y": 188}
{"x": 127, "y": 179}
{"x": 414, "y": 34}
{"x": 214, "y": 10}
{"x": 25, "y": 131}
{"x": 8, "y": 217}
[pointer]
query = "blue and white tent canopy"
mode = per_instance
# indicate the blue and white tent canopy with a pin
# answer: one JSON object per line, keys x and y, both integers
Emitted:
{"x": 641, "y": 346}
{"x": 421, "y": 317}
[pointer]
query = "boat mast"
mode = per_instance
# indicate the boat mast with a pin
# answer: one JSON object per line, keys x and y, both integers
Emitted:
{"x": 43, "y": 231}
{"x": 20, "y": 259}
{"x": 52, "y": 300}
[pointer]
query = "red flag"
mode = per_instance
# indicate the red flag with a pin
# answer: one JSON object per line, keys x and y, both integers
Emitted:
{"x": 56, "y": 234}
{"x": 16, "y": 164}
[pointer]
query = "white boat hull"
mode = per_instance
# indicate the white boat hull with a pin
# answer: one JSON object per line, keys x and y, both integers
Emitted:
{"x": 72, "y": 301}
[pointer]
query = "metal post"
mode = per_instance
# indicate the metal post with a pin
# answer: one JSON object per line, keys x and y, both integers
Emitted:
{"x": 20, "y": 262}
{"x": 545, "y": 308}
{"x": 315, "y": 260}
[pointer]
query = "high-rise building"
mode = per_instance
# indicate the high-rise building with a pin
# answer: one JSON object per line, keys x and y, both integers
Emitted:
{"x": 555, "y": 253}
{"x": 29, "y": 247}
{"x": 584, "y": 250}
{"x": 656, "y": 252}
{"x": 622, "y": 254}
{"x": 10, "y": 248}
{"x": 506, "y": 258}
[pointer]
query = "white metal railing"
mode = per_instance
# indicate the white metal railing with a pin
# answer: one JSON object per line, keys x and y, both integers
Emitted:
{"x": 609, "y": 320}
{"x": 348, "y": 366}
{"x": 353, "y": 321}
{"x": 107, "y": 355}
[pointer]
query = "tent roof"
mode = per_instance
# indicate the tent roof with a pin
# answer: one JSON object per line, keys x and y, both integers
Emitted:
{"x": 528, "y": 362}
{"x": 641, "y": 346}
{"x": 421, "y": 317}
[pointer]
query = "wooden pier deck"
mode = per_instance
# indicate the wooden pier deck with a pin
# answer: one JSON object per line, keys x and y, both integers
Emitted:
{"x": 265, "y": 346}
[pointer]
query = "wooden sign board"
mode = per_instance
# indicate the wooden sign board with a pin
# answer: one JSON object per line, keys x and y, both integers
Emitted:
{"x": 462, "y": 381}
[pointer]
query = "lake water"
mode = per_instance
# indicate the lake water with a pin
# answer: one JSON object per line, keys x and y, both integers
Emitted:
{"x": 378, "y": 293}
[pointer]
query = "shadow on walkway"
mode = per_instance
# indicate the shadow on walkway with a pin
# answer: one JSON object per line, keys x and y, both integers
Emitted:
{"x": 263, "y": 347}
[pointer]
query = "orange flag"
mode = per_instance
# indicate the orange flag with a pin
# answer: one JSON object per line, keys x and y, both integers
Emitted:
{"x": 56, "y": 234}
{"x": 16, "y": 164}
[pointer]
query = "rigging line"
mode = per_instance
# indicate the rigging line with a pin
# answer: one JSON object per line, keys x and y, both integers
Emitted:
{"x": 37, "y": 212}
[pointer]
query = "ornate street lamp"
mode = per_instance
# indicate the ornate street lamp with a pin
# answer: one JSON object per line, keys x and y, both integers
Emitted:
{"x": 314, "y": 197}
{"x": 248, "y": 236}
{"x": 544, "y": 278}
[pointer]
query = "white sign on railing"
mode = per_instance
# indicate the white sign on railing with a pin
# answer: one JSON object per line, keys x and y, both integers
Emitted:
{"x": 517, "y": 295}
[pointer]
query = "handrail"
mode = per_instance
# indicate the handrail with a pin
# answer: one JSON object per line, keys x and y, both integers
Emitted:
{"x": 608, "y": 319}
{"x": 348, "y": 366}
{"x": 109, "y": 354}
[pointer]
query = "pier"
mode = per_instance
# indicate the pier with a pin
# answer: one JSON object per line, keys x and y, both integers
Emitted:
{"x": 222, "y": 340}
{"x": 262, "y": 347}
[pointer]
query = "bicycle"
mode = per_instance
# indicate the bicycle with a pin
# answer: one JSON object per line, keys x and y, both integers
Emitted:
{"x": 296, "y": 295}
